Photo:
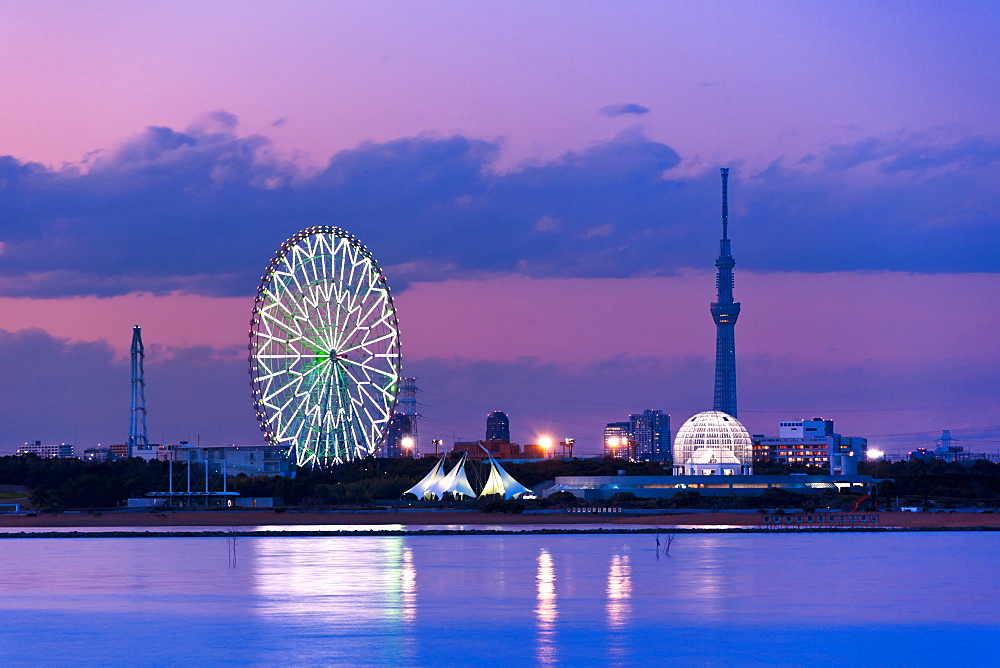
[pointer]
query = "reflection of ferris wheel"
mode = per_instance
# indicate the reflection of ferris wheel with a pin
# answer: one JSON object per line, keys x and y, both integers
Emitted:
{"x": 324, "y": 349}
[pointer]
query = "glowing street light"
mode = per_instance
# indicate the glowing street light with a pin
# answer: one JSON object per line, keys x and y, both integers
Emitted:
{"x": 875, "y": 454}
{"x": 407, "y": 442}
{"x": 546, "y": 443}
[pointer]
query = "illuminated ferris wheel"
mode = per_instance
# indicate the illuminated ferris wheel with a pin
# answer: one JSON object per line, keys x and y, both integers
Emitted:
{"x": 324, "y": 349}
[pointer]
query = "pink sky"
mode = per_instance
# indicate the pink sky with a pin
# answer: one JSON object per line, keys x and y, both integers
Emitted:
{"x": 750, "y": 81}
{"x": 750, "y": 84}
{"x": 840, "y": 317}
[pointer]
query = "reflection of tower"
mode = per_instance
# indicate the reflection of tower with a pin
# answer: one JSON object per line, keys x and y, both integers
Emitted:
{"x": 725, "y": 311}
{"x": 497, "y": 427}
{"x": 137, "y": 404}
{"x": 401, "y": 436}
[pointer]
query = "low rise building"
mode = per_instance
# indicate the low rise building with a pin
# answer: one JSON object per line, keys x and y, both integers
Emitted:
{"x": 231, "y": 460}
{"x": 810, "y": 443}
{"x": 598, "y": 488}
{"x": 47, "y": 450}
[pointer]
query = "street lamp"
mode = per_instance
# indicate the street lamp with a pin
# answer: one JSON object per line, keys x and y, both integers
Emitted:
{"x": 407, "y": 443}
{"x": 613, "y": 444}
{"x": 875, "y": 455}
{"x": 546, "y": 443}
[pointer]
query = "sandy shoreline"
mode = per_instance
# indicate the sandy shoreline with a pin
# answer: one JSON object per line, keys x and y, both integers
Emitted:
{"x": 443, "y": 518}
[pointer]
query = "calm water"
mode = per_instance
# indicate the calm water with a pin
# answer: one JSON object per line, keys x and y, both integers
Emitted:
{"x": 904, "y": 599}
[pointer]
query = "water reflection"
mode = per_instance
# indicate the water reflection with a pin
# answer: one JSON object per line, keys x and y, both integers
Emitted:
{"x": 408, "y": 587}
{"x": 707, "y": 581}
{"x": 358, "y": 588}
{"x": 619, "y": 606}
{"x": 546, "y": 613}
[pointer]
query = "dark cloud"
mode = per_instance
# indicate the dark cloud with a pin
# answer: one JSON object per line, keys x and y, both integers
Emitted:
{"x": 615, "y": 110}
{"x": 202, "y": 210}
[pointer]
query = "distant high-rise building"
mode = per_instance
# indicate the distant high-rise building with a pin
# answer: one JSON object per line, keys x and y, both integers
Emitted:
{"x": 725, "y": 311}
{"x": 618, "y": 442}
{"x": 497, "y": 426}
{"x": 401, "y": 438}
{"x": 651, "y": 433}
{"x": 645, "y": 437}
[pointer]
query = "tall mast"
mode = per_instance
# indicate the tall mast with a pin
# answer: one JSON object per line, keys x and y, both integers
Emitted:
{"x": 725, "y": 311}
{"x": 137, "y": 405}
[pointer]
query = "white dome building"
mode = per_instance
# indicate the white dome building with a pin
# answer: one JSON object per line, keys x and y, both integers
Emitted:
{"x": 713, "y": 443}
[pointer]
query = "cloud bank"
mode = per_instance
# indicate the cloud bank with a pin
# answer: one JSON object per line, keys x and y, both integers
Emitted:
{"x": 203, "y": 209}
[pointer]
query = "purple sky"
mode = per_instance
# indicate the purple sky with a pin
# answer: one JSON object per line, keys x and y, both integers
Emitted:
{"x": 540, "y": 184}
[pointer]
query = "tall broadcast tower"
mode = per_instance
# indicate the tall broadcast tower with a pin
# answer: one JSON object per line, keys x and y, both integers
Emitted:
{"x": 137, "y": 405}
{"x": 725, "y": 311}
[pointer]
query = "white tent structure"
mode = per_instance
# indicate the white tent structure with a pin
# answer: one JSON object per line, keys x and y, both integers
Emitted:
{"x": 456, "y": 482}
{"x": 428, "y": 482}
{"x": 501, "y": 482}
{"x": 437, "y": 483}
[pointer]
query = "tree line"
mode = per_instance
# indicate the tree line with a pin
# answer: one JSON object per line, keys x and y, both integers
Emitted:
{"x": 73, "y": 483}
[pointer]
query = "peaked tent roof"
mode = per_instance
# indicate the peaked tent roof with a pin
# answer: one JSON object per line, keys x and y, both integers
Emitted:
{"x": 501, "y": 482}
{"x": 456, "y": 482}
{"x": 429, "y": 481}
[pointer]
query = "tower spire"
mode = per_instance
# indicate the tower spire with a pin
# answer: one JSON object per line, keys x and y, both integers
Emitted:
{"x": 725, "y": 311}
{"x": 137, "y": 405}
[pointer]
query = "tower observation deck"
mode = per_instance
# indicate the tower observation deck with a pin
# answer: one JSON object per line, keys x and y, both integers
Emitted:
{"x": 725, "y": 311}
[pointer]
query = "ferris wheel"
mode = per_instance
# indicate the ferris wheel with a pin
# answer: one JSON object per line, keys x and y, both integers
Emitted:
{"x": 324, "y": 349}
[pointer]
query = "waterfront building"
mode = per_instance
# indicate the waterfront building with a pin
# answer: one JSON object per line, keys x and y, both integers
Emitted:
{"x": 232, "y": 460}
{"x": 46, "y": 450}
{"x": 713, "y": 443}
{"x": 598, "y": 488}
{"x": 497, "y": 426}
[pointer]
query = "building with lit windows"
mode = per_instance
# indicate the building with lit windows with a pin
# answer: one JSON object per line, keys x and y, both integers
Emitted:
{"x": 645, "y": 437}
{"x": 497, "y": 426}
{"x": 46, "y": 450}
{"x": 811, "y": 443}
{"x": 618, "y": 440}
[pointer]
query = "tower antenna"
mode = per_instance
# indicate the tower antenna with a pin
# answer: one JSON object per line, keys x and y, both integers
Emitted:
{"x": 725, "y": 311}
{"x": 137, "y": 405}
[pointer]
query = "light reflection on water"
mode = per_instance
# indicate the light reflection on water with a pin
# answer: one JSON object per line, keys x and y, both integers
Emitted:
{"x": 762, "y": 599}
{"x": 619, "y": 608}
{"x": 546, "y": 611}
